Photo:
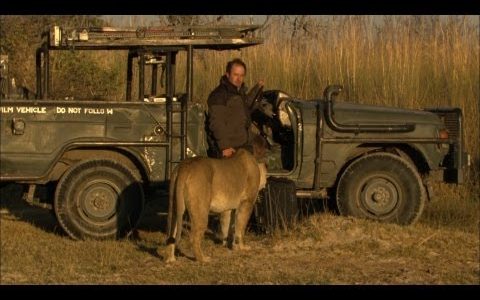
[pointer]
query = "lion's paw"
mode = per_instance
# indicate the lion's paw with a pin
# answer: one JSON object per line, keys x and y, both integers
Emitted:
{"x": 170, "y": 260}
{"x": 205, "y": 259}
{"x": 241, "y": 247}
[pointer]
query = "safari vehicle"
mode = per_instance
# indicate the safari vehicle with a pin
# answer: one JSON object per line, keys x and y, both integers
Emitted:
{"x": 101, "y": 158}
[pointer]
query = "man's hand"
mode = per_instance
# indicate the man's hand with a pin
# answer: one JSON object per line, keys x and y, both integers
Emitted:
{"x": 228, "y": 152}
{"x": 261, "y": 83}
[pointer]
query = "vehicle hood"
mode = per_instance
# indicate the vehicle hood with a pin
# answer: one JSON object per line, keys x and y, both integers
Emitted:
{"x": 351, "y": 113}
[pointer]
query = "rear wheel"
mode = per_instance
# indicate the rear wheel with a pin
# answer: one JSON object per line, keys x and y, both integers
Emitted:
{"x": 277, "y": 206}
{"x": 382, "y": 187}
{"x": 98, "y": 199}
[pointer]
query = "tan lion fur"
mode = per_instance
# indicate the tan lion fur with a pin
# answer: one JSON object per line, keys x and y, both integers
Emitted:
{"x": 202, "y": 185}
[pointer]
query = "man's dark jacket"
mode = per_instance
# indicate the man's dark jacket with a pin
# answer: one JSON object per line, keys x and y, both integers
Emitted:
{"x": 229, "y": 112}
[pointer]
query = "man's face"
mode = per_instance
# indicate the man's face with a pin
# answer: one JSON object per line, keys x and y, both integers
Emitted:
{"x": 236, "y": 75}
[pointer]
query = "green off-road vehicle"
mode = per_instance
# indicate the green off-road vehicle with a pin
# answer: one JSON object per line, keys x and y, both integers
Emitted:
{"x": 101, "y": 157}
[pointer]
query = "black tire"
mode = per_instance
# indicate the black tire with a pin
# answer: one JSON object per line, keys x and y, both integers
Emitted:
{"x": 382, "y": 187}
{"x": 277, "y": 206}
{"x": 98, "y": 199}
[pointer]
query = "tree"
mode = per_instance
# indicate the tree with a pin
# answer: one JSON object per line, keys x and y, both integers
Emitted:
{"x": 20, "y": 36}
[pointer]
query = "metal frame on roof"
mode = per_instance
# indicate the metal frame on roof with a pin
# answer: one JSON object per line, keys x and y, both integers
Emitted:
{"x": 227, "y": 37}
{"x": 141, "y": 43}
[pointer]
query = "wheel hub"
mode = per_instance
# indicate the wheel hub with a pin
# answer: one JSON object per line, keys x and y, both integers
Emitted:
{"x": 98, "y": 201}
{"x": 380, "y": 196}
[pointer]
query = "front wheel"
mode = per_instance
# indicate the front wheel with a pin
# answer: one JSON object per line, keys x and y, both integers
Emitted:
{"x": 98, "y": 199}
{"x": 382, "y": 187}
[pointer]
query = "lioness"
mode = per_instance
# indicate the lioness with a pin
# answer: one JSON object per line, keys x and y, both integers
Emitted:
{"x": 201, "y": 185}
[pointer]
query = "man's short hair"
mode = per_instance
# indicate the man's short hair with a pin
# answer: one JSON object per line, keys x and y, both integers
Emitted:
{"x": 235, "y": 61}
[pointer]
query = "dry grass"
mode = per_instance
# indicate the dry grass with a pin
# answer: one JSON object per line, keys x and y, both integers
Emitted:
{"x": 456, "y": 207}
{"x": 323, "y": 249}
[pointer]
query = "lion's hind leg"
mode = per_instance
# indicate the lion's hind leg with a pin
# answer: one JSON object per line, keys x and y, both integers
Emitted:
{"x": 198, "y": 210}
{"x": 226, "y": 226}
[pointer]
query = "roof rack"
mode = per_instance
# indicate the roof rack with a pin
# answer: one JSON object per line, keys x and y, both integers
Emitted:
{"x": 224, "y": 37}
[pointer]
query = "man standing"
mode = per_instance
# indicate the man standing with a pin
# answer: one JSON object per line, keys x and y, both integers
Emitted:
{"x": 229, "y": 109}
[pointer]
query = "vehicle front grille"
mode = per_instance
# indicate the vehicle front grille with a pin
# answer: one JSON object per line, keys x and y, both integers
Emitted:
{"x": 452, "y": 118}
{"x": 451, "y": 121}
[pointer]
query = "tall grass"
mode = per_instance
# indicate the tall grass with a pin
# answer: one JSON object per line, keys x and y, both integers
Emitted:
{"x": 410, "y": 62}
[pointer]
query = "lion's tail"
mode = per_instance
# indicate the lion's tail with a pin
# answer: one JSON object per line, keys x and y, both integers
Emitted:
{"x": 171, "y": 203}
{"x": 171, "y": 220}
{"x": 176, "y": 208}
{"x": 179, "y": 204}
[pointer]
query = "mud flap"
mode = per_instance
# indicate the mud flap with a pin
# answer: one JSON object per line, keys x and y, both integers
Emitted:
{"x": 277, "y": 206}
{"x": 431, "y": 195}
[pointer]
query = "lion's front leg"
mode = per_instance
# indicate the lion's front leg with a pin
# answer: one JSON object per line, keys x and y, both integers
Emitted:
{"x": 243, "y": 215}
